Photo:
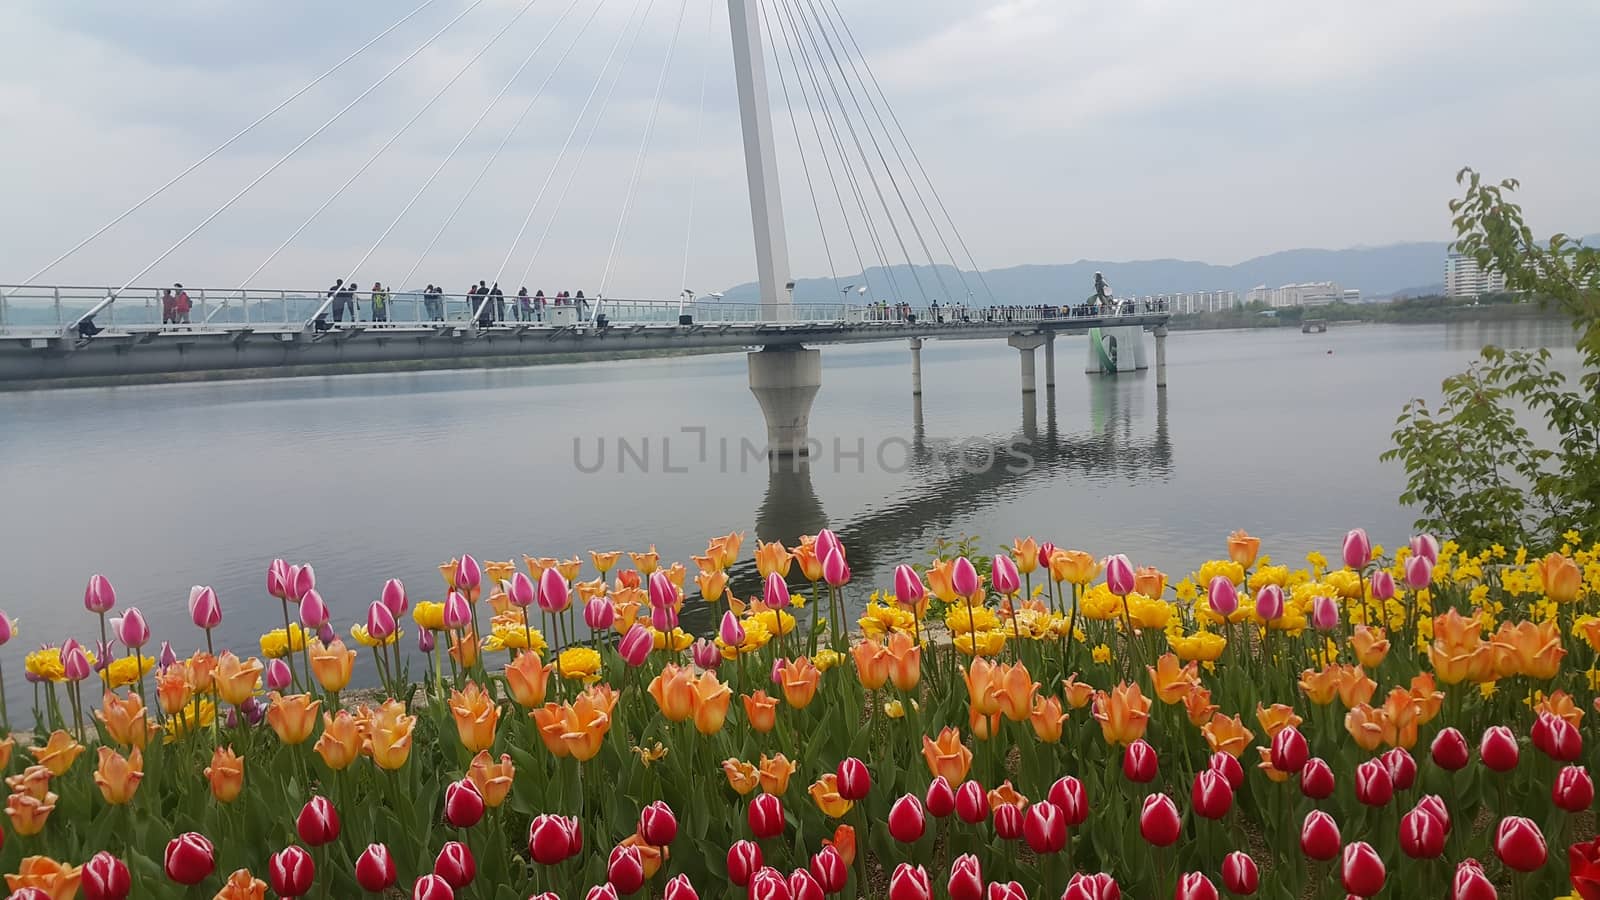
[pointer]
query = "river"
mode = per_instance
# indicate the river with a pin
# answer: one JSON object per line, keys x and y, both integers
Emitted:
{"x": 377, "y": 476}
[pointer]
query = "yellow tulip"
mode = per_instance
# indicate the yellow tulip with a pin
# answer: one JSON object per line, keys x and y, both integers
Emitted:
{"x": 1073, "y": 566}
{"x": 58, "y": 753}
{"x": 58, "y": 881}
{"x": 825, "y": 792}
{"x": 293, "y": 717}
{"x": 279, "y": 642}
{"x": 389, "y": 735}
{"x": 429, "y": 614}
{"x": 605, "y": 562}
{"x": 983, "y": 643}
{"x": 580, "y": 664}
{"x": 226, "y": 774}
{"x": 332, "y": 664}
{"x": 340, "y": 743}
{"x": 1025, "y": 553}
{"x": 742, "y": 776}
{"x": 947, "y": 756}
{"x": 646, "y": 562}
{"x": 117, "y": 776}
{"x": 492, "y": 779}
{"x": 773, "y": 773}
{"x": 712, "y": 585}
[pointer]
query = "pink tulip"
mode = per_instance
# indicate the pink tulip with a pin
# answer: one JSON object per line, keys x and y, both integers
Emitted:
{"x": 908, "y": 588}
{"x": 1427, "y": 546}
{"x": 99, "y": 596}
{"x": 1119, "y": 574}
{"x": 662, "y": 591}
{"x": 1382, "y": 585}
{"x": 731, "y": 630}
{"x": 131, "y": 628}
{"x": 325, "y": 633}
{"x": 636, "y": 645}
{"x": 6, "y": 630}
{"x": 204, "y": 609}
{"x": 520, "y": 590}
{"x": 380, "y": 622}
{"x": 705, "y": 654}
{"x": 394, "y": 597}
{"x": 1324, "y": 613}
{"x": 553, "y": 593}
{"x": 1222, "y": 595}
{"x": 469, "y": 575}
{"x": 1419, "y": 572}
{"x": 963, "y": 577}
{"x": 300, "y": 580}
{"x": 278, "y": 579}
{"x": 828, "y": 543}
{"x": 313, "y": 612}
{"x": 278, "y": 676}
{"x": 1269, "y": 602}
{"x": 775, "y": 593}
{"x": 599, "y": 613}
{"x": 777, "y": 669}
{"x": 167, "y": 658}
{"x": 835, "y": 571}
{"x": 1003, "y": 573}
{"x": 457, "y": 612}
{"x": 1357, "y": 549}
{"x": 664, "y": 618}
{"x": 74, "y": 661}
{"x": 425, "y": 640}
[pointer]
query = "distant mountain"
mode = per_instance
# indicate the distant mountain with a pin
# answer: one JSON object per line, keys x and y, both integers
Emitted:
{"x": 1376, "y": 271}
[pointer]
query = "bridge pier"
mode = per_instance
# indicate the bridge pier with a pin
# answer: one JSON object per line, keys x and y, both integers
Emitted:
{"x": 1026, "y": 344}
{"x": 1161, "y": 356}
{"x": 916, "y": 367}
{"x": 1050, "y": 361}
{"x": 785, "y": 380}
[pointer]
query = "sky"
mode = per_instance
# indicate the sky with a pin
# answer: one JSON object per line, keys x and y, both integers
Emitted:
{"x": 1051, "y": 130}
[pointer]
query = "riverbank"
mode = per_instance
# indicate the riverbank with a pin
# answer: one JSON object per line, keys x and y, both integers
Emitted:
{"x": 1419, "y": 311}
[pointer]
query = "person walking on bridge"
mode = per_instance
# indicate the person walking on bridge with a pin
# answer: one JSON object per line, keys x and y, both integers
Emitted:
{"x": 380, "y": 303}
{"x": 499, "y": 298}
{"x": 181, "y": 305}
{"x": 168, "y": 315}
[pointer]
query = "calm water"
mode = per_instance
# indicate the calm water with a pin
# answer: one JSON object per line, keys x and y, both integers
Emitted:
{"x": 378, "y": 476}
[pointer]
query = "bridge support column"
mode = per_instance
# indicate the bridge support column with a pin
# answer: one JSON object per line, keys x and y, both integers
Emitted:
{"x": 1050, "y": 361}
{"x": 1161, "y": 356}
{"x": 916, "y": 367}
{"x": 1026, "y": 344}
{"x": 785, "y": 380}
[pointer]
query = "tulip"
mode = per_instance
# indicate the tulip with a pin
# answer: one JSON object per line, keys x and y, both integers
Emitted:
{"x": 1319, "y": 836}
{"x": 775, "y": 592}
{"x": 828, "y": 542}
{"x": 166, "y": 660}
{"x": 744, "y": 860}
{"x": 657, "y": 825}
{"x": 731, "y": 630}
{"x": 910, "y": 883}
{"x": 1098, "y": 886}
{"x": 1068, "y": 796}
{"x": 435, "y": 887}
{"x": 1239, "y": 874}
{"x": 1212, "y": 796}
{"x": 636, "y": 645}
{"x": 1362, "y": 869}
{"x": 966, "y": 878}
{"x": 74, "y": 661}
{"x": 599, "y": 613}
{"x": 189, "y": 859}
{"x": 550, "y": 839}
{"x": 829, "y": 869}
{"x": 520, "y": 591}
{"x": 1008, "y": 821}
{"x": 99, "y": 597}
{"x": 131, "y": 628}
{"x": 1557, "y": 738}
{"x": 313, "y": 612}
{"x": 1584, "y": 868}
{"x": 625, "y": 869}
{"x": 278, "y": 675}
{"x": 1402, "y": 767}
{"x": 1269, "y": 602}
{"x": 463, "y": 804}
{"x": 1139, "y": 763}
{"x": 906, "y": 821}
{"x": 768, "y": 884}
{"x": 1289, "y": 750}
{"x": 457, "y": 611}
{"x": 455, "y": 864}
{"x": 835, "y": 571}
{"x": 1449, "y": 750}
{"x": 854, "y": 780}
{"x": 1119, "y": 574}
{"x": 1003, "y": 574}
{"x": 1324, "y": 613}
{"x": 394, "y": 596}
{"x": 425, "y": 640}
{"x": 1573, "y": 790}
{"x": 705, "y": 654}
{"x": 972, "y": 804}
{"x": 1195, "y": 886}
{"x": 1009, "y": 890}
{"x": 1560, "y": 577}
{"x": 1419, "y": 572}
{"x": 1382, "y": 585}
{"x": 908, "y": 588}
{"x": 766, "y": 817}
{"x": 301, "y": 580}
{"x": 1433, "y": 804}
{"x": 291, "y": 871}
{"x": 375, "y": 870}
{"x": 106, "y": 878}
{"x": 1374, "y": 785}
{"x": 1470, "y": 883}
{"x": 1498, "y": 749}
{"x": 1159, "y": 823}
{"x": 1421, "y": 834}
{"x": 1519, "y": 844}
{"x": 1357, "y": 549}
{"x": 1222, "y": 596}
{"x": 964, "y": 578}
{"x": 1044, "y": 827}
{"x": 204, "y": 610}
{"x": 803, "y": 886}
{"x": 318, "y": 822}
{"x": 1228, "y": 766}
{"x": 940, "y": 799}
{"x": 468, "y": 578}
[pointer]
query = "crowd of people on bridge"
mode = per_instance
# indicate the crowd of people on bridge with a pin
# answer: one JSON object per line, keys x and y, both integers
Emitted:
{"x": 485, "y": 303}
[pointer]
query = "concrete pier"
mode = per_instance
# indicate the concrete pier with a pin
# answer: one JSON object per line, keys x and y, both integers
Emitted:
{"x": 1026, "y": 344}
{"x": 916, "y": 367}
{"x": 785, "y": 381}
{"x": 1161, "y": 355}
{"x": 1050, "y": 361}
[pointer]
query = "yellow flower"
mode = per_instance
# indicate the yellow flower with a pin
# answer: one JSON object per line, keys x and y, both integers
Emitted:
{"x": 580, "y": 664}
{"x": 676, "y": 640}
{"x": 1101, "y": 654}
{"x": 125, "y": 671}
{"x": 984, "y": 643}
{"x": 277, "y": 644}
{"x": 654, "y": 754}
{"x": 191, "y": 717}
{"x": 58, "y": 753}
{"x": 880, "y": 620}
{"x": 429, "y": 615}
{"x": 360, "y": 635}
{"x": 476, "y": 717}
{"x": 514, "y": 636}
{"x": 1202, "y": 645}
{"x": 45, "y": 664}
{"x": 982, "y": 618}
{"x": 894, "y": 709}
{"x": 825, "y": 791}
{"x": 118, "y": 776}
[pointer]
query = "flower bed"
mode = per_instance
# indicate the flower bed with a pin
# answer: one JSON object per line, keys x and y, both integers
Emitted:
{"x": 1039, "y": 724}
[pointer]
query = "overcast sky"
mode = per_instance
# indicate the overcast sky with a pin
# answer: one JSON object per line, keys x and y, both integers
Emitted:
{"x": 1054, "y": 130}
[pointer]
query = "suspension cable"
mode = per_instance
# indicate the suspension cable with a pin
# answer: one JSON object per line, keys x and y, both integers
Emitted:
{"x": 224, "y": 145}
{"x": 644, "y": 146}
{"x": 699, "y": 123}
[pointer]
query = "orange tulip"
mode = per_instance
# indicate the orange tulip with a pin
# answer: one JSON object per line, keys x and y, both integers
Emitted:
{"x": 905, "y": 661}
{"x": 389, "y": 735}
{"x": 58, "y": 753}
{"x": 1371, "y": 645}
{"x": 528, "y": 679}
{"x": 1355, "y": 687}
{"x": 774, "y": 772}
{"x": 1025, "y": 553}
{"x": 1073, "y": 566}
{"x": 711, "y": 699}
{"x": 1320, "y": 686}
{"x": 1401, "y": 716}
{"x": 605, "y": 562}
{"x": 983, "y": 727}
{"x": 1272, "y": 772}
{"x": 1077, "y": 693}
{"x": 1560, "y": 577}
{"x": 844, "y": 841}
{"x": 772, "y": 558}
{"x": 651, "y": 857}
{"x": 6, "y": 746}
{"x": 1150, "y": 581}
{"x": 1015, "y": 691}
{"x": 236, "y": 679}
{"x": 712, "y": 585}
{"x": 938, "y": 579}
{"x": 1429, "y": 701}
{"x": 172, "y": 690}
{"x": 1242, "y": 548}
{"x": 1123, "y": 714}
{"x": 341, "y": 740}
{"x": 761, "y": 710}
{"x": 806, "y": 556}
{"x": 476, "y": 717}
{"x": 199, "y": 669}
{"x": 800, "y": 680}
{"x": 742, "y": 776}
{"x": 117, "y": 776}
{"x": 465, "y": 647}
{"x": 1227, "y": 734}
{"x": 1198, "y": 707}
{"x": 226, "y": 774}
{"x": 1276, "y": 718}
{"x": 983, "y": 680}
{"x": 947, "y": 756}
{"x": 550, "y": 719}
{"x": 1538, "y": 649}
{"x": 728, "y": 547}
{"x": 33, "y": 781}
{"x": 646, "y": 562}
{"x": 29, "y": 814}
{"x": 1006, "y": 795}
{"x": 1047, "y": 718}
{"x": 447, "y": 571}
{"x": 825, "y": 793}
{"x": 673, "y": 691}
{"x": 1558, "y": 704}
{"x": 872, "y": 664}
{"x": 58, "y": 881}
{"x": 586, "y": 721}
{"x": 1366, "y": 725}
{"x": 492, "y": 779}
{"x": 332, "y": 664}
{"x": 1171, "y": 680}
{"x": 241, "y": 885}
{"x": 293, "y": 717}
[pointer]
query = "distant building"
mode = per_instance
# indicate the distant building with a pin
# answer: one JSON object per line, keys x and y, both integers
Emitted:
{"x": 1309, "y": 293}
{"x": 1191, "y": 302}
{"x": 1463, "y": 277}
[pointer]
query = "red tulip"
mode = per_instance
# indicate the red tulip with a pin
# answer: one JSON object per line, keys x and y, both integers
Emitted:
{"x": 318, "y": 822}
{"x": 803, "y": 887}
{"x": 1421, "y": 835}
{"x": 1228, "y": 765}
{"x": 1068, "y": 795}
{"x": 1212, "y": 796}
{"x": 1498, "y": 748}
{"x": 1557, "y": 738}
{"x": 1239, "y": 874}
{"x": 190, "y": 858}
{"x": 1008, "y": 822}
{"x": 1363, "y": 870}
{"x": 1470, "y": 883}
{"x": 1319, "y": 836}
{"x": 1098, "y": 886}
{"x": 1573, "y": 790}
{"x": 550, "y": 839}
{"x": 432, "y": 887}
{"x": 966, "y": 878}
{"x": 972, "y": 804}
{"x": 828, "y": 868}
{"x": 1434, "y": 804}
{"x": 1195, "y": 886}
{"x": 625, "y": 868}
{"x": 1289, "y": 750}
{"x": 463, "y": 805}
{"x": 1159, "y": 822}
{"x": 1139, "y": 762}
{"x": 906, "y": 822}
{"x": 766, "y": 816}
{"x": 657, "y": 825}
{"x": 744, "y": 861}
{"x": 678, "y": 888}
{"x": 291, "y": 871}
{"x": 106, "y": 878}
{"x": 1519, "y": 844}
{"x": 1374, "y": 787}
{"x": 768, "y": 884}
{"x": 1402, "y": 768}
{"x": 1583, "y": 861}
{"x": 28, "y": 893}
{"x": 1450, "y": 751}
{"x": 375, "y": 869}
{"x": 1010, "y": 890}
{"x": 940, "y": 799}
{"x": 546, "y": 895}
{"x": 855, "y": 782}
{"x": 910, "y": 883}
{"x": 1316, "y": 779}
{"x": 1045, "y": 828}
{"x": 455, "y": 864}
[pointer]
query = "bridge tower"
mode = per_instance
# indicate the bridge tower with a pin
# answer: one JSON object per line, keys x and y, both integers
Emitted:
{"x": 784, "y": 380}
